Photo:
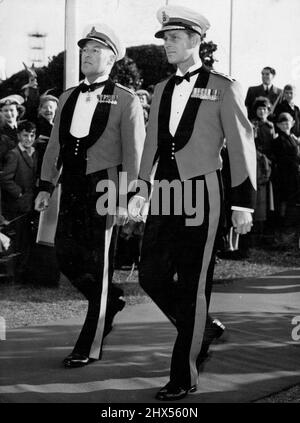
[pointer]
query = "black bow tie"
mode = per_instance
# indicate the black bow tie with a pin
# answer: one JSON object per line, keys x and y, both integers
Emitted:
{"x": 84, "y": 87}
{"x": 187, "y": 76}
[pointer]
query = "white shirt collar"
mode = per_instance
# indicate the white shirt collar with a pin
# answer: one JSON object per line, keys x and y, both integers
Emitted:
{"x": 99, "y": 79}
{"x": 29, "y": 151}
{"x": 197, "y": 65}
{"x": 12, "y": 126}
{"x": 268, "y": 86}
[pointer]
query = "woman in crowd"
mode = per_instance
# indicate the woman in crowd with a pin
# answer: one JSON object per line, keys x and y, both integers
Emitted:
{"x": 264, "y": 139}
{"x": 46, "y": 114}
{"x": 287, "y": 156}
{"x": 12, "y": 111}
{"x": 47, "y": 273}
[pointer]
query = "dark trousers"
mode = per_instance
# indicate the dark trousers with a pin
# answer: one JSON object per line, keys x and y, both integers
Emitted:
{"x": 85, "y": 242}
{"x": 170, "y": 244}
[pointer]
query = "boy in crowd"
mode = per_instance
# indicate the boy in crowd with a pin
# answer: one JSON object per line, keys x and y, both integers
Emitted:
{"x": 287, "y": 106}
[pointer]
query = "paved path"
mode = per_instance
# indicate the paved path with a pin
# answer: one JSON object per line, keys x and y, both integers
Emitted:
{"x": 258, "y": 358}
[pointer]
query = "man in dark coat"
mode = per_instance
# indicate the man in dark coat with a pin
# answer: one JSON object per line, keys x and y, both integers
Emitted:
{"x": 287, "y": 156}
{"x": 6, "y": 143}
{"x": 266, "y": 89}
{"x": 18, "y": 181}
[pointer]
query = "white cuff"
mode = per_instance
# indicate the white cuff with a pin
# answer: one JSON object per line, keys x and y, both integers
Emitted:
{"x": 237, "y": 208}
{"x": 138, "y": 196}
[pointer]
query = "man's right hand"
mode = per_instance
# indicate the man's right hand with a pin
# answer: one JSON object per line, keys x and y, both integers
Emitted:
{"x": 135, "y": 208}
{"x": 42, "y": 201}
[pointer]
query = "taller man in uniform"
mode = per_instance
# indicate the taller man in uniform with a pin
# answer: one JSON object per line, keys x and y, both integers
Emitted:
{"x": 192, "y": 112}
{"x": 98, "y": 132}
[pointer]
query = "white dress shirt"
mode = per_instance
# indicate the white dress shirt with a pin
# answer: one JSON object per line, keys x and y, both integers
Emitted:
{"x": 12, "y": 125}
{"x": 84, "y": 110}
{"x": 180, "y": 97}
{"x": 267, "y": 87}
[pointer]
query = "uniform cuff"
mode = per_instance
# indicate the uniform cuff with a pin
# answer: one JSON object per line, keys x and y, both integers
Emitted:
{"x": 46, "y": 186}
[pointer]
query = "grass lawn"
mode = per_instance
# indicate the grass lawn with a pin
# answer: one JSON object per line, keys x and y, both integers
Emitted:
{"x": 28, "y": 305}
{"x": 23, "y": 305}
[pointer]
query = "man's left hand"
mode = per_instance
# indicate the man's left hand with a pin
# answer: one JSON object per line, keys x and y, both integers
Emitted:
{"x": 121, "y": 216}
{"x": 242, "y": 221}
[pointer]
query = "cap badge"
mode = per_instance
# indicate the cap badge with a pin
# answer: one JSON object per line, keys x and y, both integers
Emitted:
{"x": 92, "y": 32}
{"x": 165, "y": 17}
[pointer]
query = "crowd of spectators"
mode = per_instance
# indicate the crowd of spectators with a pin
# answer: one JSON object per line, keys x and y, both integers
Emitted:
{"x": 25, "y": 126}
{"x": 276, "y": 123}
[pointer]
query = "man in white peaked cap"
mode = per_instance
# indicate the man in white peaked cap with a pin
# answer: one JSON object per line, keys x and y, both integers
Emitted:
{"x": 192, "y": 112}
{"x": 98, "y": 132}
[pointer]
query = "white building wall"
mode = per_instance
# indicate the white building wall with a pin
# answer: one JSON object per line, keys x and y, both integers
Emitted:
{"x": 265, "y": 32}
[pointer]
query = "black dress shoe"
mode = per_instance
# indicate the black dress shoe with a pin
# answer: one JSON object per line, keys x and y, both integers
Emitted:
{"x": 217, "y": 328}
{"x": 76, "y": 360}
{"x": 112, "y": 309}
{"x": 214, "y": 331}
{"x": 173, "y": 392}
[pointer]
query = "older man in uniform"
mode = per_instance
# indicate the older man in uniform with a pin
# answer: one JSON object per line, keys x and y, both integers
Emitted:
{"x": 98, "y": 131}
{"x": 191, "y": 114}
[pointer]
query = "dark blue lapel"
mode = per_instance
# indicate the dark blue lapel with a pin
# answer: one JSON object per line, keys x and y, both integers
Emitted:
{"x": 101, "y": 115}
{"x": 187, "y": 121}
{"x": 188, "y": 118}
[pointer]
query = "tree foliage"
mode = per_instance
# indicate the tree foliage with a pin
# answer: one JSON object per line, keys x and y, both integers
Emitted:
{"x": 142, "y": 66}
{"x": 126, "y": 73}
{"x": 49, "y": 77}
{"x": 151, "y": 60}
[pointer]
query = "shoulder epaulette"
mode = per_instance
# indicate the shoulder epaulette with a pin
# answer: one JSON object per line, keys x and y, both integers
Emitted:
{"x": 223, "y": 75}
{"x": 167, "y": 78}
{"x": 125, "y": 88}
{"x": 71, "y": 88}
